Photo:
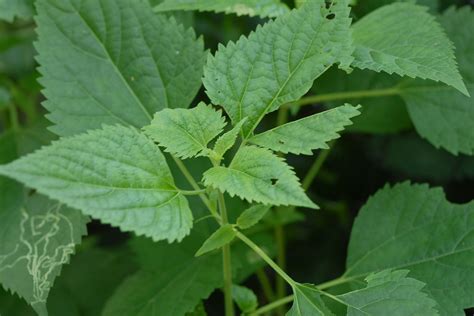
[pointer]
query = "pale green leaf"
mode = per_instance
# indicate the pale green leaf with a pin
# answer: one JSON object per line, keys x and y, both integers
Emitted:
{"x": 278, "y": 62}
{"x": 441, "y": 114}
{"x": 390, "y": 293}
{"x": 307, "y": 301}
{"x": 309, "y": 133}
{"x": 417, "y": 48}
{"x": 221, "y": 237}
{"x": 227, "y": 140}
{"x": 245, "y": 298}
{"x": 186, "y": 132}
{"x": 116, "y": 175}
{"x": 252, "y": 216}
{"x": 256, "y": 174}
{"x": 414, "y": 227}
{"x": 113, "y": 62}
{"x": 262, "y": 8}
{"x": 36, "y": 241}
{"x": 10, "y": 9}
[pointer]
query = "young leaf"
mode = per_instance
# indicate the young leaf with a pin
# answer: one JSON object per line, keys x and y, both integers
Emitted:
{"x": 256, "y": 174}
{"x": 262, "y": 8}
{"x": 221, "y": 237}
{"x": 9, "y": 9}
{"x": 440, "y": 114}
{"x": 307, "y": 301}
{"x": 309, "y": 133}
{"x": 415, "y": 227}
{"x": 252, "y": 216}
{"x": 227, "y": 140}
{"x": 418, "y": 47}
{"x": 186, "y": 132}
{"x": 36, "y": 241}
{"x": 278, "y": 62}
{"x": 245, "y": 298}
{"x": 116, "y": 175}
{"x": 390, "y": 293}
{"x": 113, "y": 62}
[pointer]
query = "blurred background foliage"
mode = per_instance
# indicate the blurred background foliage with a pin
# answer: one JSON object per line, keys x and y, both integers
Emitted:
{"x": 382, "y": 147}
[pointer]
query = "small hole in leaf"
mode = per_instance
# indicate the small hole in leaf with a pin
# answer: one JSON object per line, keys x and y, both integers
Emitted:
{"x": 281, "y": 142}
{"x": 330, "y": 16}
{"x": 274, "y": 181}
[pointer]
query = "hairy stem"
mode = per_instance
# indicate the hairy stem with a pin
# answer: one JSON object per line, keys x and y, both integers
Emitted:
{"x": 316, "y": 167}
{"x": 227, "y": 263}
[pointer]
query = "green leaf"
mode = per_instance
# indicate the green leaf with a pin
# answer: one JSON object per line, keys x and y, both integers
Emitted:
{"x": 309, "y": 133}
{"x": 307, "y": 301}
{"x": 390, "y": 293}
{"x": 113, "y": 62}
{"x": 256, "y": 174}
{"x": 278, "y": 62}
{"x": 186, "y": 132}
{"x": 11, "y": 192}
{"x": 417, "y": 48}
{"x": 198, "y": 311}
{"x": 221, "y": 237}
{"x": 262, "y": 8}
{"x": 116, "y": 175}
{"x": 227, "y": 140}
{"x": 441, "y": 114}
{"x": 414, "y": 227}
{"x": 245, "y": 298}
{"x": 9, "y": 9}
{"x": 36, "y": 241}
{"x": 4, "y": 97}
{"x": 252, "y": 216}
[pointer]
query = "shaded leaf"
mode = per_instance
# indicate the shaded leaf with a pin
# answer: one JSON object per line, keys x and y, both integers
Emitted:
{"x": 221, "y": 237}
{"x": 245, "y": 298}
{"x": 252, "y": 216}
{"x": 307, "y": 301}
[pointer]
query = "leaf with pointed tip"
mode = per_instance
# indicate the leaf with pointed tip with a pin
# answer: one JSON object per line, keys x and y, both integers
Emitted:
{"x": 390, "y": 293}
{"x": 307, "y": 301}
{"x": 414, "y": 227}
{"x": 309, "y": 133}
{"x": 256, "y": 174}
{"x": 116, "y": 175}
{"x": 113, "y": 62}
{"x": 245, "y": 298}
{"x": 252, "y": 216}
{"x": 417, "y": 48}
{"x": 262, "y": 8}
{"x": 36, "y": 241}
{"x": 221, "y": 237}
{"x": 186, "y": 132}
{"x": 10, "y": 9}
{"x": 227, "y": 140}
{"x": 278, "y": 62}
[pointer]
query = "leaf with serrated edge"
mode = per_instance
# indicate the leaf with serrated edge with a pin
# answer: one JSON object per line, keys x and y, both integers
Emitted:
{"x": 307, "y": 301}
{"x": 278, "y": 62}
{"x": 256, "y": 174}
{"x": 309, "y": 133}
{"x": 417, "y": 48}
{"x": 36, "y": 241}
{"x": 186, "y": 132}
{"x": 227, "y": 140}
{"x": 262, "y": 8}
{"x": 245, "y": 298}
{"x": 113, "y": 62}
{"x": 415, "y": 228}
{"x": 390, "y": 293}
{"x": 221, "y": 237}
{"x": 116, "y": 175}
{"x": 252, "y": 216}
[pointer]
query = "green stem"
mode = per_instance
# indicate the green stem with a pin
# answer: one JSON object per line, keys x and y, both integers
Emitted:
{"x": 316, "y": 167}
{"x": 281, "y": 261}
{"x": 266, "y": 285}
{"x": 273, "y": 305}
{"x": 346, "y": 95}
{"x": 14, "y": 121}
{"x": 227, "y": 263}
{"x": 192, "y": 182}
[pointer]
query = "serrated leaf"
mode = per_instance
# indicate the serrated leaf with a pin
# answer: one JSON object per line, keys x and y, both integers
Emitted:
{"x": 245, "y": 298}
{"x": 262, "y": 8}
{"x": 414, "y": 227}
{"x": 186, "y": 132}
{"x": 441, "y": 114}
{"x": 10, "y": 9}
{"x": 221, "y": 237}
{"x": 278, "y": 62}
{"x": 116, "y": 175}
{"x": 256, "y": 174}
{"x": 307, "y": 301}
{"x": 417, "y": 48}
{"x": 390, "y": 293}
{"x": 36, "y": 241}
{"x": 309, "y": 133}
{"x": 141, "y": 63}
{"x": 227, "y": 140}
{"x": 252, "y": 216}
